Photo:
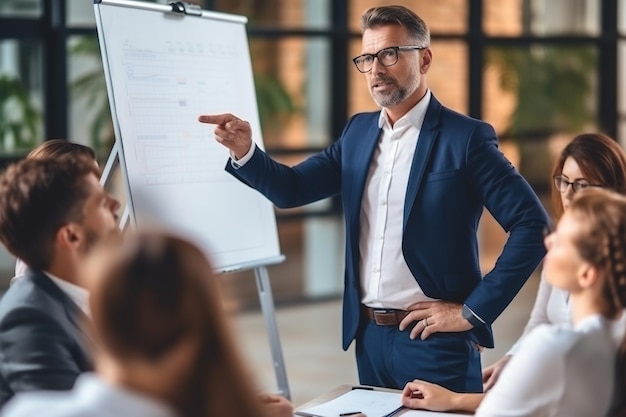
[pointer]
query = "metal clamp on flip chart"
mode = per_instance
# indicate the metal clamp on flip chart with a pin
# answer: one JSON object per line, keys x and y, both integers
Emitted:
{"x": 186, "y": 8}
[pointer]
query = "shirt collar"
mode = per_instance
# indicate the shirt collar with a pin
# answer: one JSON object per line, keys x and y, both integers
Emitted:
{"x": 77, "y": 294}
{"x": 414, "y": 117}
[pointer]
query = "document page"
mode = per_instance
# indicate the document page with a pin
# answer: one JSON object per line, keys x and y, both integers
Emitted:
{"x": 369, "y": 402}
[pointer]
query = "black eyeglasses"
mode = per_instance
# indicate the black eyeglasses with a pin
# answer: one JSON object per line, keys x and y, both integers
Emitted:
{"x": 561, "y": 183}
{"x": 387, "y": 57}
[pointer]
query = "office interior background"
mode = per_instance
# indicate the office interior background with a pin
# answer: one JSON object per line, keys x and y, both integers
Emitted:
{"x": 540, "y": 71}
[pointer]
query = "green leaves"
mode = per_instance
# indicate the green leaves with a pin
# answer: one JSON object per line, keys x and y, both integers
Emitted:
{"x": 20, "y": 121}
{"x": 553, "y": 86}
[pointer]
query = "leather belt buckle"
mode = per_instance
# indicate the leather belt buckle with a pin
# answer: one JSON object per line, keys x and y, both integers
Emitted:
{"x": 385, "y": 317}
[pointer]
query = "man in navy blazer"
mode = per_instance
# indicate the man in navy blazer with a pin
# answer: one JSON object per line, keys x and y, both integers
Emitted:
{"x": 414, "y": 179}
{"x": 51, "y": 213}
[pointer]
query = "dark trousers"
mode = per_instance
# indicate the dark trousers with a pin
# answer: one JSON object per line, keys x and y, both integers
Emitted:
{"x": 386, "y": 357}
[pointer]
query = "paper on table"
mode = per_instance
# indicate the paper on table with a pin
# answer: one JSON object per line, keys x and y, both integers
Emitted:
{"x": 370, "y": 403}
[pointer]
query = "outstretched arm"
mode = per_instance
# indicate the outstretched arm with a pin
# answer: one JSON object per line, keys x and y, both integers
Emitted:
{"x": 491, "y": 374}
{"x": 427, "y": 396}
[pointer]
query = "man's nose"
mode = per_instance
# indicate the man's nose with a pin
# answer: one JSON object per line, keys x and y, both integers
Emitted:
{"x": 115, "y": 204}
{"x": 377, "y": 67}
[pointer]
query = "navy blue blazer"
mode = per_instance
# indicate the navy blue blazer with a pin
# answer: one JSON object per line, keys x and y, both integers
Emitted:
{"x": 457, "y": 169}
{"x": 42, "y": 343}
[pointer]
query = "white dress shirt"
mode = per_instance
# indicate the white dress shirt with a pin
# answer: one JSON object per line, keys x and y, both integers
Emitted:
{"x": 77, "y": 294}
{"x": 559, "y": 371}
{"x": 20, "y": 267}
{"x": 386, "y": 280}
{"x": 91, "y": 396}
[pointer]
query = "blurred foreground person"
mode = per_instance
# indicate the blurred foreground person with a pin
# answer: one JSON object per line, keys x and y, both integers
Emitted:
{"x": 164, "y": 348}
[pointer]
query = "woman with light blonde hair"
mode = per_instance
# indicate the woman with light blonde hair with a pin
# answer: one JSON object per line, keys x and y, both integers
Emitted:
{"x": 564, "y": 370}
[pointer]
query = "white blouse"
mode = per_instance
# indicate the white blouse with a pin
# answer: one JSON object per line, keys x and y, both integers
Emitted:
{"x": 91, "y": 396}
{"x": 559, "y": 371}
{"x": 551, "y": 307}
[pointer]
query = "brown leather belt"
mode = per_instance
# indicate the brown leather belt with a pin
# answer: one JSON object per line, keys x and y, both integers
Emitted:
{"x": 384, "y": 316}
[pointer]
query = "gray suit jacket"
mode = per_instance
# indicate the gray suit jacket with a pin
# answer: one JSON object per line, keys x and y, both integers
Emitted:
{"x": 42, "y": 344}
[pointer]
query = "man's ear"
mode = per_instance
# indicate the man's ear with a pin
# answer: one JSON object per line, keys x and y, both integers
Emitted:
{"x": 70, "y": 235}
{"x": 427, "y": 59}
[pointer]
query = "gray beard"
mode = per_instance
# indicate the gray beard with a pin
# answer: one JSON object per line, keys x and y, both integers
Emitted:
{"x": 391, "y": 99}
{"x": 395, "y": 97}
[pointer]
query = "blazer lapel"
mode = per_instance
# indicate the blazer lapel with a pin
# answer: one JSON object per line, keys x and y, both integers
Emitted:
{"x": 362, "y": 150}
{"x": 82, "y": 322}
{"x": 75, "y": 315}
{"x": 427, "y": 137}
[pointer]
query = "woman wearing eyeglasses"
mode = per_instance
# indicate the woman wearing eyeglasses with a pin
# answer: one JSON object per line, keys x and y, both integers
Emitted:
{"x": 589, "y": 160}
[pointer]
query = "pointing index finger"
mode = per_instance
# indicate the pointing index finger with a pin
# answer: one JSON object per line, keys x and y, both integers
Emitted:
{"x": 216, "y": 119}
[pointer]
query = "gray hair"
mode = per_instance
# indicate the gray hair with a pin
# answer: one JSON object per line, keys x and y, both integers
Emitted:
{"x": 397, "y": 15}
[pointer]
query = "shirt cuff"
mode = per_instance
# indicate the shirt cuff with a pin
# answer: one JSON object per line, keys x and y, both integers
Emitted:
{"x": 472, "y": 317}
{"x": 244, "y": 159}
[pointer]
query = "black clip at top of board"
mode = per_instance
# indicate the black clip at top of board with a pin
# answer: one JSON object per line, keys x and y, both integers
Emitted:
{"x": 186, "y": 8}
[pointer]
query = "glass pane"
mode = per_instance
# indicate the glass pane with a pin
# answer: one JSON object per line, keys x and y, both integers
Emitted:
{"x": 292, "y": 88}
{"x": 21, "y": 8}
{"x": 21, "y": 96}
{"x": 621, "y": 18}
{"x": 528, "y": 97}
{"x": 280, "y": 13}
{"x": 89, "y": 113}
{"x": 541, "y": 17}
{"x": 80, "y": 13}
{"x": 447, "y": 78}
{"x": 293, "y": 96}
{"x": 442, "y": 16}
